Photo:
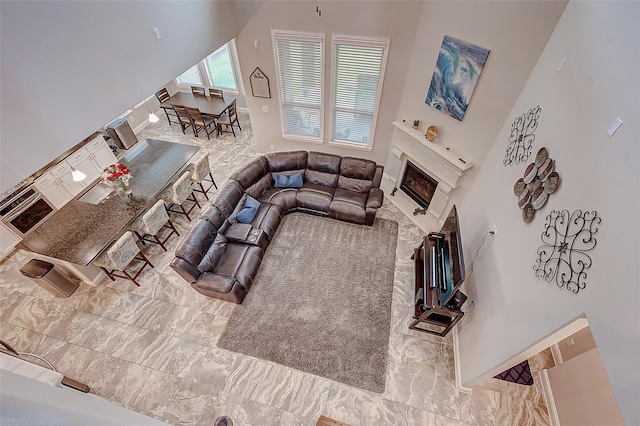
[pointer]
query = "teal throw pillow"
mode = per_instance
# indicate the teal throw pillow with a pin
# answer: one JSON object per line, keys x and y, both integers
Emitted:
{"x": 284, "y": 181}
{"x": 249, "y": 210}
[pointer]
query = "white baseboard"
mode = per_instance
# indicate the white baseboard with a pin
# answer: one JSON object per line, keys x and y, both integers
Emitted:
{"x": 456, "y": 362}
{"x": 548, "y": 398}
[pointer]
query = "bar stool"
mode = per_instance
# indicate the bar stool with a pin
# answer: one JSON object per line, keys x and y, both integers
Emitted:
{"x": 119, "y": 256}
{"x": 178, "y": 194}
{"x": 202, "y": 172}
{"x": 150, "y": 224}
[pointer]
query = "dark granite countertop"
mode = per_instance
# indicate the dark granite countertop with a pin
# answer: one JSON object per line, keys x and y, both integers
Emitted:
{"x": 79, "y": 231}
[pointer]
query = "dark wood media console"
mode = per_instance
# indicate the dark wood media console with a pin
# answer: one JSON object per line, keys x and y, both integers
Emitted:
{"x": 437, "y": 299}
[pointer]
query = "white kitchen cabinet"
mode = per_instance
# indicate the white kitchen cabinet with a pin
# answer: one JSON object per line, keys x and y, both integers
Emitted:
{"x": 8, "y": 241}
{"x": 62, "y": 172}
{"x": 101, "y": 153}
{"x": 53, "y": 190}
{"x": 83, "y": 161}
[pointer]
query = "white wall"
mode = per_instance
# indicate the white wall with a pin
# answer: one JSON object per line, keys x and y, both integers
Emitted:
{"x": 69, "y": 67}
{"x": 514, "y": 310}
{"x": 582, "y": 393}
{"x": 514, "y": 31}
{"x": 396, "y": 20}
{"x": 24, "y": 400}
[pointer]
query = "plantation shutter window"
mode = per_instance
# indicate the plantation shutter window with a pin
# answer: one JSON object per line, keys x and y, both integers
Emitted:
{"x": 357, "y": 84}
{"x": 299, "y": 58}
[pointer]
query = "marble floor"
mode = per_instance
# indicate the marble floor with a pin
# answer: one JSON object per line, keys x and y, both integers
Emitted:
{"x": 153, "y": 349}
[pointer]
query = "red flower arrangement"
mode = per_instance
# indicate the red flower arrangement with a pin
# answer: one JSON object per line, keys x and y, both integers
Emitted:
{"x": 117, "y": 174}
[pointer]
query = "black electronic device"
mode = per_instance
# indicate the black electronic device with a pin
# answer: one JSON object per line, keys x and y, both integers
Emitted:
{"x": 439, "y": 274}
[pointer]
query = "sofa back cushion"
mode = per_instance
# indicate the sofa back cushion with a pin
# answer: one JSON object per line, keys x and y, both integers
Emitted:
{"x": 228, "y": 196}
{"x": 259, "y": 188}
{"x": 213, "y": 216}
{"x": 251, "y": 172}
{"x": 357, "y": 168}
{"x": 287, "y": 161}
{"x": 355, "y": 185}
{"x": 196, "y": 243}
{"x": 323, "y": 162}
{"x": 216, "y": 250}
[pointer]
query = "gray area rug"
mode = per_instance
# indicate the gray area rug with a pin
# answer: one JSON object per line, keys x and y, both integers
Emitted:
{"x": 321, "y": 301}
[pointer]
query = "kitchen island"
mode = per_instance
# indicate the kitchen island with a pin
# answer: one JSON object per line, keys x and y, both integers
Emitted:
{"x": 77, "y": 233}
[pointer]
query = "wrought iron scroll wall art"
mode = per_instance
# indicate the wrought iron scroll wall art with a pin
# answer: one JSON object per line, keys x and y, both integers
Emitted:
{"x": 568, "y": 238}
{"x": 521, "y": 137}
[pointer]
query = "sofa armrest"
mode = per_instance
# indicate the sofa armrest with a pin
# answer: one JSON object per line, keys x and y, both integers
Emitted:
{"x": 376, "y": 196}
{"x": 186, "y": 270}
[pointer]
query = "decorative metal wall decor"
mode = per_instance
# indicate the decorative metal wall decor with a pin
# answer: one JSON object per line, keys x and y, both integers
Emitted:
{"x": 521, "y": 137}
{"x": 567, "y": 238}
{"x": 539, "y": 181}
{"x": 457, "y": 71}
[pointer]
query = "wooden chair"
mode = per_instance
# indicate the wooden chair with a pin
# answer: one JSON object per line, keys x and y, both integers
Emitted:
{"x": 228, "y": 119}
{"x": 216, "y": 93}
{"x": 163, "y": 95}
{"x": 151, "y": 223}
{"x": 119, "y": 256}
{"x": 197, "y": 90}
{"x": 184, "y": 118}
{"x": 202, "y": 172}
{"x": 201, "y": 122}
{"x": 178, "y": 194}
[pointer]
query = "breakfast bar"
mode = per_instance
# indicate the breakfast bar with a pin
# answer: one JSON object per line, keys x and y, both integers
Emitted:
{"x": 77, "y": 233}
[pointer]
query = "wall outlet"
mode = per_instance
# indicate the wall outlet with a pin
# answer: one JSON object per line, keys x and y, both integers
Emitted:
{"x": 569, "y": 342}
{"x": 265, "y": 108}
{"x": 271, "y": 147}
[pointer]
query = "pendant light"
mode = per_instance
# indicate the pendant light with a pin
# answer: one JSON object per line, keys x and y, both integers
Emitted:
{"x": 152, "y": 117}
{"x": 77, "y": 175}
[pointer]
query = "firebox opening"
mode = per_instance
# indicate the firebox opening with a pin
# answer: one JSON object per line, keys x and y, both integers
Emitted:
{"x": 418, "y": 185}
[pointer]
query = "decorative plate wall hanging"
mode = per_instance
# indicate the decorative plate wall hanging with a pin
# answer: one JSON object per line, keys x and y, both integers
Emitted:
{"x": 567, "y": 238}
{"x": 538, "y": 182}
{"x": 521, "y": 137}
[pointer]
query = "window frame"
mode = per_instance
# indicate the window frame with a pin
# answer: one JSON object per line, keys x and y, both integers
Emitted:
{"x": 204, "y": 74}
{"x": 300, "y": 36}
{"x": 356, "y": 41}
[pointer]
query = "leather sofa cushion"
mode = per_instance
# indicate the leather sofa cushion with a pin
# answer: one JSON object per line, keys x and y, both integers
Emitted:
{"x": 213, "y": 216}
{"x": 321, "y": 178}
{"x": 268, "y": 219}
{"x": 212, "y": 284}
{"x": 258, "y": 188}
{"x": 312, "y": 187}
{"x": 251, "y": 172}
{"x": 228, "y": 196}
{"x": 323, "y": 162}
{"x": 197, "y": 242}
{"x": 285, "y": 198}
{"x": 313, "y": 198}
{"x": 356, "y": 198}
{"x": 214, "y": 253}
{"x": 357, "y": 168}
{"x": 240, "y": 261}
{"x": 376, "y": 196}
{"x": 287, "y": 161}
{"x": 347, "y": 212}
{"x": 353, "y": 184}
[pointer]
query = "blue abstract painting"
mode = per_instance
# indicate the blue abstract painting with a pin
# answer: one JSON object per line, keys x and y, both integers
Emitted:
{"x": 457, "y": 70}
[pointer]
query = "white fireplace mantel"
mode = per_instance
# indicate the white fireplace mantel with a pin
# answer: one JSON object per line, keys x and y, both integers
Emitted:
{"x": 445, "y": 166}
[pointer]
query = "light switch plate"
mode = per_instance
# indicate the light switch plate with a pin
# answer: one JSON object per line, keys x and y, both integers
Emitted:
{"x": 561, "y": 64}
{"x": 156, "y": 31}
{"x": 614, "y": 126}
{"x": 265, "y": 108}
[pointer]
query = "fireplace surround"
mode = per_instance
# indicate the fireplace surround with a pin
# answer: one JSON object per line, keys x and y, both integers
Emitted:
{"x": 418, "y": 185}
{"x": 444, "y": 166}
